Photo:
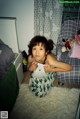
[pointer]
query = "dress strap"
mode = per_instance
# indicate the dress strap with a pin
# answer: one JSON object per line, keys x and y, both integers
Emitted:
{"x": 45, "y": 59}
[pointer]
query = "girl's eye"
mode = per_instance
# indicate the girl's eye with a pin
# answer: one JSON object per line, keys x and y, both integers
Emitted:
{"x": 41, "y": 49}
{"x": 34, "y": 48}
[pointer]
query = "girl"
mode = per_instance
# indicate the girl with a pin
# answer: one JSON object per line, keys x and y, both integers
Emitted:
{"x": 43, "y": 64}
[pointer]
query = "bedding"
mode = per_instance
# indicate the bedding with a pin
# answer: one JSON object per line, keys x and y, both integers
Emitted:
{"x": 68, "y": 29}
{"x": 8, "y": 89}
{"x": 6, "y": 57}
{"x": 72, "y": 77}
{"x": 78, "y": 38}
{"x": 75, "y": 50}
{"x": 8, "y": 78}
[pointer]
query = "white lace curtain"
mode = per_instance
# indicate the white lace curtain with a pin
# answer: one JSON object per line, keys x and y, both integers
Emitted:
{"x": 47, "y": 18}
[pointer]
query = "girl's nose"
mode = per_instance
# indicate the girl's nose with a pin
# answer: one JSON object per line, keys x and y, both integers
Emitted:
{"x": 37, "y": 52}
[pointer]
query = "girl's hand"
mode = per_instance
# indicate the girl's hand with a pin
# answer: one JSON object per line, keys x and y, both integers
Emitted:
{"x": 47, "y": 68}
{"x": 33, "y": 66}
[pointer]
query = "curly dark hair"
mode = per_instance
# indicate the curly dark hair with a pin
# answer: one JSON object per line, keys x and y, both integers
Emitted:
{"x": 48, "y": 44}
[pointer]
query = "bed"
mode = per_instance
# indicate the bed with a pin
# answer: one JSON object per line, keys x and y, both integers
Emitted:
{"x": 9, "y": 84}
{"x": 68, "y": 29}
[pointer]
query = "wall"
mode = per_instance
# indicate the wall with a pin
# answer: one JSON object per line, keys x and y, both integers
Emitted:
{"x": 23, "y": 10}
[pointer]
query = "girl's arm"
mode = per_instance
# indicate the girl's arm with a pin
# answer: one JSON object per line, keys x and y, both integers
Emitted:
{"x": 49, "y": 68}
{"x": 31, "y": 66}
{"x": 56, "y": 66}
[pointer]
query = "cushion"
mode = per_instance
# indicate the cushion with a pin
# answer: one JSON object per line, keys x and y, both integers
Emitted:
{"x": 78, "y": 38}
{"x": 75, "y": 52}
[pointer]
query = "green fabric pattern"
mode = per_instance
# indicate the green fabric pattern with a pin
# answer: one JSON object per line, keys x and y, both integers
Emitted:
{"x": 40, "y": 86}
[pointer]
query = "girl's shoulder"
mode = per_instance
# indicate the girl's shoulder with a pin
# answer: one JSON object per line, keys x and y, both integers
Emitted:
{"x": 51, "y": 55}
{"x": 30, "y": 58}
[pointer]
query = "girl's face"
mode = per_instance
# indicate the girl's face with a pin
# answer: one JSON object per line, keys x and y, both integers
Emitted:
{"x": 39, "y": 53}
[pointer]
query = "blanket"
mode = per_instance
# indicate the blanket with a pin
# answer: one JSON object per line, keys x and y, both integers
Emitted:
{"x": 59, "y": 103}
{"x": 9, "y": 89}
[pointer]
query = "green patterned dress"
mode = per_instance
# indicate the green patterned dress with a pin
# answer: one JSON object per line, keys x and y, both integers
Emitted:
{"x": 41, "y": 82}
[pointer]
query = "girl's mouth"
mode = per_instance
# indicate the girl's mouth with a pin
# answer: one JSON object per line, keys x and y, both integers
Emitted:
{"x": 37, "y": 56}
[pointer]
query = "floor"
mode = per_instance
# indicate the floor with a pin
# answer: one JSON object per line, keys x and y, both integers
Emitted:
{"x": 54, "y": 105}
{"x": 26, "y": 77}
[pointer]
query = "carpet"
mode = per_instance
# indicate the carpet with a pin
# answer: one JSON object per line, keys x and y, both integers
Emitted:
{"x": 59, "y": 103}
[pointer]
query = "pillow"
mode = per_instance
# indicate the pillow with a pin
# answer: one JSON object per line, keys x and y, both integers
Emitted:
{"x": 6, "y": 57}
{"x": 75, "y": 51}
{"x": 77, "y": 37}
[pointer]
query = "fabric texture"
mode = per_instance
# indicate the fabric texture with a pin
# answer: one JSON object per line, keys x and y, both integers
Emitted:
{"x": 39, "y": 72}
{"x": 6, "y": 57}
{"x": 48, "y": 18}
{"x": 41, "y": 85}
{"x": 9, "y": 89}
{"x": 59, "y": 103}
{"x": 75, "y": 51}
{"x": 40, "y": 81}
{"x": 71, "y": 77}
{"x": 77, "y": 38}
{"x": 68, "y": 29}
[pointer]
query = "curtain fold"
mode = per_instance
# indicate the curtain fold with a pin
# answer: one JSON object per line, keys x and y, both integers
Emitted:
{"x": 47, "y": 18}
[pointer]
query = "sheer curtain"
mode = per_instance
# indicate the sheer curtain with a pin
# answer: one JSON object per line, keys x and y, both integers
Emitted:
{"x": 47, "y": 18}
